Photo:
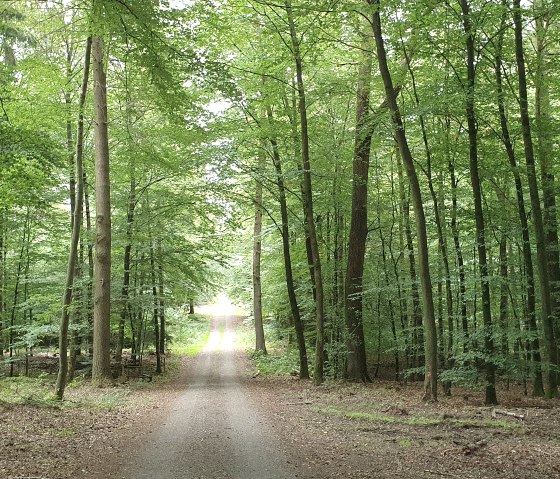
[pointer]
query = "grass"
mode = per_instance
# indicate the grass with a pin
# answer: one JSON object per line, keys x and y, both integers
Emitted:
{"x": 192, "y": 335}
{"x": 280, "y": 360}
{"x": 421, "y": 421}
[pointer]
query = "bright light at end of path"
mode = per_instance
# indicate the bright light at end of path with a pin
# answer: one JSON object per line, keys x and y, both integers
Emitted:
{"x": 222, "y": 306}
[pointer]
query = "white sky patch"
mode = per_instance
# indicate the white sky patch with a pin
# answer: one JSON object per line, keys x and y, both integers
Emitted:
{"x": 218, "y": 107}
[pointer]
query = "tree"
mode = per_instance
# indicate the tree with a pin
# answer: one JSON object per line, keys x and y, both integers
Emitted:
{"x": 318, "y": 369}
{"x": 102, "y": 300}
{"x": 76, "y": 227}
{"x": 490, "y": 397}
{"x": 356, "y": 366}
{"x": 542, "y": 263}
{"x": 257, "y": 248}
{"x": 430, "y": 378}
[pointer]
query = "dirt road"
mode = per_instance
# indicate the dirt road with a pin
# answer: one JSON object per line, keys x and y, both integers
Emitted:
{"x": 213, "y": 429}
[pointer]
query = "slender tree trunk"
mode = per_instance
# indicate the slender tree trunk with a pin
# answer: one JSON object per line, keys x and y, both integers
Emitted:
{"x": 542, "y": 260}
{"x": 490, "y": 368}
{"x": 125, "y": 310}
{"x": 415, "y": 318}
{"x": 459, "y": 257}
{"x": 308, "y": 203}
{"x": 162, "y": 322}
{"x": 294, "y": 308}
{"x": 257, "y": 247}
{"x": 89, "y": 284}
{"x": 155, "y": 314}
{"x": 534, "y": 350}
{"x": 2, "y": 282}
{"x": 102, "y": 301}
{"x": 24, "y": 241}
{"x": 545, "y": 148}
{"x": 76, "y": 227}
{"x": 446, "y": 352}
{"x": 431, "y": 350}
{"x": 356, "y": 361}
{"x": 297, "y": 154}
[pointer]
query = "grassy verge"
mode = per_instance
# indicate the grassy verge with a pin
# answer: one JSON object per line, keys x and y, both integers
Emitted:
{"x": 282, "y": 359}
{"x": 421, "y": 421}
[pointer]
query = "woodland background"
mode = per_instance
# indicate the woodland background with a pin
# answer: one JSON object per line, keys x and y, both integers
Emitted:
{"x": 386, "y": 171}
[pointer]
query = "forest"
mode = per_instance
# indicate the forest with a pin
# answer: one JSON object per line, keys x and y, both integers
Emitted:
{"x": 374, "y": 180}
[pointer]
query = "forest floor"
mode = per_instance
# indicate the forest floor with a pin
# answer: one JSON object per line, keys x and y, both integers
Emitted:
{"x": 338, "y": 430}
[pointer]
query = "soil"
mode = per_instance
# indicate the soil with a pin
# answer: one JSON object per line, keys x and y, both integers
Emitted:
{"x": 382, "y": 430}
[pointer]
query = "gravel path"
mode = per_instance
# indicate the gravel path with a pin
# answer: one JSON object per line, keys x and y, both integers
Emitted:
{"x": 213, "y": 429}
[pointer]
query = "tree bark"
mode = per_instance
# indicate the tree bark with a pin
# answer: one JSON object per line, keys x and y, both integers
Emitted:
{"x": 162, "y": 322}
{"x": 545, "y": 149}
{"x": 542, "y": 260}
{"x": 356, "y": 361}
{"x": 76, "y": 227}
{"x": 431, "y": 350}
{"x": 534, "y": 350}
{"x": 257, "y": 247}
{"x": 125, "y": 309}
{"x": 318, "y": 369}
{"x": 490, "y": 369}
{"x": 101, "y": 366}
{"x": 155, "y": 309}
{"x": 285, "y": 231}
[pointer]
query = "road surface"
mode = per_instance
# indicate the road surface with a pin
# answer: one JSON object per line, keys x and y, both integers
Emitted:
{"x": 213, "y": 429}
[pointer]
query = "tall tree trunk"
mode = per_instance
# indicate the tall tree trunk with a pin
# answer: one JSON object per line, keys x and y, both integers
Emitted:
{"x": 308, "y": 203}
{"x": 545, "y": 146}
{"x": 162, "y": 322}
{"x": 431, "y": 350}
{"x": 125, "y": 310}
{"x": 155, "y": 309}
{"x": 294, "y": 308}
{"x": 2, "y": 282}
{"x": 76, "y": 227}
{"x": 257, "y": 247}
{"x": 447, "y": 352}
{"x": 534, "y": 350}
{"x": 24, "y": 241}
{"x": 356, "y": 361}
{"x": 415, "y": 318}
{"x": 490, "y": 369}
{"x": 101, "y": 366}
{"x": 542, "y": 260}
{"x": 296, "y": 138}
{"x": 458, "y": 255}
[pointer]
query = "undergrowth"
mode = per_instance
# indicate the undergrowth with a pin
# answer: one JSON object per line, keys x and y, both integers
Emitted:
{"x": 190, "y": 335}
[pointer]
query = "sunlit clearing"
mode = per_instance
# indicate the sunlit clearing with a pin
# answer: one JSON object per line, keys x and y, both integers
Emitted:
{"x": 222, "y": 306}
